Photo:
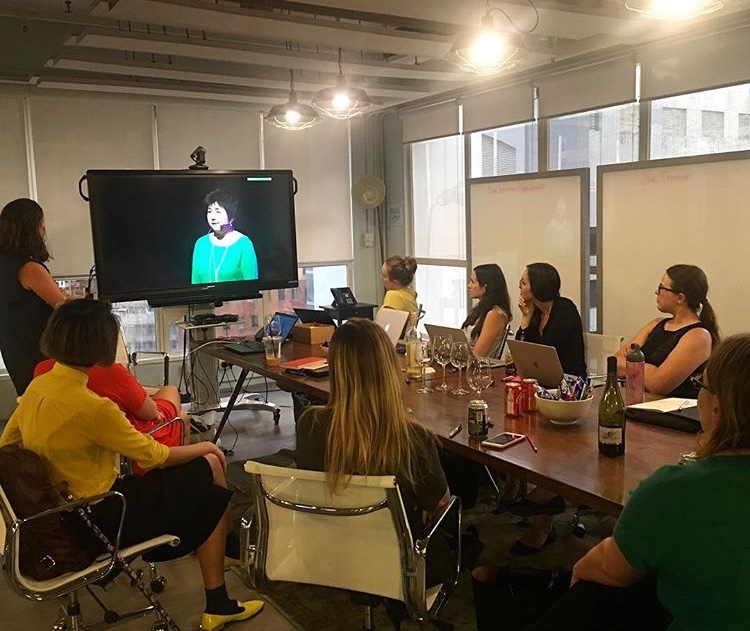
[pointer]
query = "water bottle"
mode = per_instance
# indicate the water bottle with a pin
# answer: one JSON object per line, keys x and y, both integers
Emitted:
{"x": 413, "y": 355}
{"x": 611, "y": 415}
{"x": 635, "y": 367}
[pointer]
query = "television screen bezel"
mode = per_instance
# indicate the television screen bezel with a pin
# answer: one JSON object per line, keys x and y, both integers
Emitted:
{"x": 191, "y": 294}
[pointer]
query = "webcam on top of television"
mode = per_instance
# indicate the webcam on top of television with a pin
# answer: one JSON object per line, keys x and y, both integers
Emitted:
{"x": 199, "y": 157}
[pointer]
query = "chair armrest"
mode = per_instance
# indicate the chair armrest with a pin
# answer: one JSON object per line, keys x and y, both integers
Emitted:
{"x": 163, "y": 424}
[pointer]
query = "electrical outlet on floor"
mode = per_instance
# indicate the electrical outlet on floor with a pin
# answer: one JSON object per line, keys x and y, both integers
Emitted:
{"x": 368, "y": 239}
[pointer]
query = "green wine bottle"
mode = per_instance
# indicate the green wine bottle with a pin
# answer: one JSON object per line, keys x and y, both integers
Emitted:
{"x": 612, "y": 415}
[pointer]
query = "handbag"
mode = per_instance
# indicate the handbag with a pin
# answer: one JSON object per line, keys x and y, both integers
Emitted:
{"x": 53, "y": 544}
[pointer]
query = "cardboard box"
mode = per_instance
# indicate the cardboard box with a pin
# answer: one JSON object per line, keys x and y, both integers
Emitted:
{"x": 311, "y": 333}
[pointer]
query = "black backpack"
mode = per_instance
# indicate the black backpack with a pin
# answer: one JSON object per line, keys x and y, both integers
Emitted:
{"x": 51, "y": 545}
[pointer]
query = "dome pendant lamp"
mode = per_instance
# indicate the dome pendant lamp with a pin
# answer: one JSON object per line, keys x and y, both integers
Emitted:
{"x": 490, "y": 50}
{"x": 342, "y": 101}
{"x": 292, "y": 115}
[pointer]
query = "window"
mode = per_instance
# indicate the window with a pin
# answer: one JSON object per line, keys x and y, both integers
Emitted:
{"x": 439, "y": 228}
{"x": 504, "y": 151}
{"x": 708, "y": 122}
{"x": 589, "y": 139}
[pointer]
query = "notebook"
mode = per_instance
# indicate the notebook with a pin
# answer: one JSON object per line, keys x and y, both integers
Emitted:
{"x": 316, "y": 316}
{"x": 672, "y": 413}
{"x": 537, "y": 361}
{"x": 287, "y": 321}
{"x": 393, "y": 322}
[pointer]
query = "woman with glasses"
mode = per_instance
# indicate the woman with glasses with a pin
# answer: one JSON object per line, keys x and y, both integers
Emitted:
{"x": 678, "y": 346}
{"x": 682, "y": 530}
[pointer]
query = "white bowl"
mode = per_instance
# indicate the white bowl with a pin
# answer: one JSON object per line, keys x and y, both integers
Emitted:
{"x": 562, "y": 412}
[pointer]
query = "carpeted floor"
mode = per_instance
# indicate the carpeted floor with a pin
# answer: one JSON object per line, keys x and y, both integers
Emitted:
{"x": 323, "y": 609}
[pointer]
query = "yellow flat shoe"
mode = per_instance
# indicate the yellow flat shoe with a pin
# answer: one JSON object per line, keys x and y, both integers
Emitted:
{"x": 216, "y": 622}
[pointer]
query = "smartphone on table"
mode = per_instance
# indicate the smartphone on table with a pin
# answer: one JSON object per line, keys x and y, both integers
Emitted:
{"x": 504, "y": 440}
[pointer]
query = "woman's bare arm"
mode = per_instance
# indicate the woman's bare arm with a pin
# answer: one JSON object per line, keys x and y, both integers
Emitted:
{"x": 35, "y": 277}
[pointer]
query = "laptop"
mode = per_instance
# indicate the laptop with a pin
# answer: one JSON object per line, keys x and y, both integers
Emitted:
{"x": 314, "y": 316}
{"x": 393, "y": 322}
{"x": 287, "y": 322}
{"x": 537, "y": 361}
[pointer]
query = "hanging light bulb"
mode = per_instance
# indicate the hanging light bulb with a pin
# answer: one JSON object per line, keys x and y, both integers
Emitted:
{"x": 490, "y": 50}
{"x": 343, "y": 101}
{"x": 674, "y": 9}
{"x": 292, "y": 115}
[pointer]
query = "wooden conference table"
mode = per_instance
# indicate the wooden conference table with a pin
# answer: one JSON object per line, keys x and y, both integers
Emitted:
{"x": 568, "y": 461}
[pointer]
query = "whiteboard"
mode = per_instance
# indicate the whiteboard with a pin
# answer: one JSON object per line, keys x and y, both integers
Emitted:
{"x": 520, "y": 219}
{"x": 660, "y": 213}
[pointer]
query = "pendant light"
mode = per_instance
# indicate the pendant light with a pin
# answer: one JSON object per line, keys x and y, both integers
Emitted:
{"x": 292, "y": 115}
{"x": 674, "y": 9}
{"x": 342, "y": 101}
{"x": 490, "y": 50}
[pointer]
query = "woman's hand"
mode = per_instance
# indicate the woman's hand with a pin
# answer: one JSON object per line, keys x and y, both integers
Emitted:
{"x": 527, "y": 310}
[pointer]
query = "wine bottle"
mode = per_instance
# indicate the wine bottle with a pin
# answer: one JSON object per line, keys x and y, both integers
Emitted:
{"x": 635, "y": 366}
{"x": 611, "y": 415}
{"x": 413, "y": 355}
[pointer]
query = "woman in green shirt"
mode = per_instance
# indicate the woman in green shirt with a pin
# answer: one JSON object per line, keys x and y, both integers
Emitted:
{"x": 224, "y": 254}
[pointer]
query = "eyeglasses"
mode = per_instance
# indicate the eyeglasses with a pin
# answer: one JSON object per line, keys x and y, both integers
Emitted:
{"x": 660, "y": 288}
{"x": 699, "y": 384}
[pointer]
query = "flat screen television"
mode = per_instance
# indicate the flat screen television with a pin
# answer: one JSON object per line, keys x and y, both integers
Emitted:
{"x": 184, "y": 237}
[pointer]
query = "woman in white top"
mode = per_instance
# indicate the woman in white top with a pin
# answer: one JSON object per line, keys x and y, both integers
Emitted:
{"x": 486, "y": 322}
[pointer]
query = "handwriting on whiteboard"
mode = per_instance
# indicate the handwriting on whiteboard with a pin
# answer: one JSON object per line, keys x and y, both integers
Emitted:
{"x": 496, "y": 189}
{"x": 664, "y": 177}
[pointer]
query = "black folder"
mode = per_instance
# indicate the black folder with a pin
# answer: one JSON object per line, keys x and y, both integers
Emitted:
{"x": 682, "y": 420}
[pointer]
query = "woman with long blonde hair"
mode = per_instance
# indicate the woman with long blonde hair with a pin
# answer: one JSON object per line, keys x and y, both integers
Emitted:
{"x": 364, "y": 428}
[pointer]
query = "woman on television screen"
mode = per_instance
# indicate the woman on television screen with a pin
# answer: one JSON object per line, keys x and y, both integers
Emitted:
{"x": 224, "y": 254}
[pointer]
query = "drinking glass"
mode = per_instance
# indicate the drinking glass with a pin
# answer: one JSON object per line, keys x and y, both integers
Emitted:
{"x": 442, "y": 353}
{"x": 478, "y": 374}
{"x": 273, "y": 325}
{"x": 425, "y": 354}
{"x": 459, "y": 358}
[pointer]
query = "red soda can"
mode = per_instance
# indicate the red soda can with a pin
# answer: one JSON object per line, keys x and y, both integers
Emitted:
{"x": 529, "y": 402}
{"x": 513, "y": 398}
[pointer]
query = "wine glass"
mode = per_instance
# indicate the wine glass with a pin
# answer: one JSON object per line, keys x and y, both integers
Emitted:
{"x": 425, "y": 354}
{"x": 459, "y": 358}
{"x": 442, "y": 354}
{"x": 478, "y": 374}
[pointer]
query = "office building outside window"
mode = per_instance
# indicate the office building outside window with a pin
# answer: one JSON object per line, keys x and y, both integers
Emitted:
{"x": 504, "y": 151}
{"x": 712, "y": 121}
{"x": 605, "y": 136}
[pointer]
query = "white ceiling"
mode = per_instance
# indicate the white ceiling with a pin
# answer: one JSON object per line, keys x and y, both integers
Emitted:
{"x": 242, "y": 50}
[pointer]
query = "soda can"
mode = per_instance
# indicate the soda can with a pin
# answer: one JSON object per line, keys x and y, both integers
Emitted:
{"x": 478, "y": 425}
{"x": 529, "y": 402}
{"x": 513, "y": 398}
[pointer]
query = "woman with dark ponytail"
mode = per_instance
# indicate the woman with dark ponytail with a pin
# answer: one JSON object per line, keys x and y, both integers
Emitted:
{"x": 485, "y": 325}
{"x": 676, "y": 347}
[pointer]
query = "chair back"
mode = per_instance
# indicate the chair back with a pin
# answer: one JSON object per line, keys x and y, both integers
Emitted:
{"x": 356, "y": 539}
{"x": 122, "y": 355}
{"x": 504, "y": 339}
{"x": 598, "y": 348}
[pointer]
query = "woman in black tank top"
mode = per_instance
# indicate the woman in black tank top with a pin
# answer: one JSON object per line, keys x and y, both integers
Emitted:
{"x": 676, "y": 347}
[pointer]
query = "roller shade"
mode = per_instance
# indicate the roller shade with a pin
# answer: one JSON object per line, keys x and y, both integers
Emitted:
{"x": 499, "y": 108}
{"x": 593, "y": 87}
{"x": 700, "y": 64}
{"x": 430, "y": 122}
{"x": 319, "y": 158}
{"x": 15, "y": 180}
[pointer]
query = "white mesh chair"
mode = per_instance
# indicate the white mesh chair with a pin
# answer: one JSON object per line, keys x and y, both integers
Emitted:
{"x": 598, "y": 347}
{"x": 357, "y": 539}
{"x": 68, "y": 584}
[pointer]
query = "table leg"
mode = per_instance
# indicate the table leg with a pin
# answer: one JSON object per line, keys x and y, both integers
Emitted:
{"x": 230, "y": 404}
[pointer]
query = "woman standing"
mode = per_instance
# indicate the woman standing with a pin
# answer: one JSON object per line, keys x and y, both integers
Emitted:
{"x": 678, "y": 346}
{"x": 28, "y": 293}
{"x": 486, "y": 323}
{"x": 548, "y": 318}
{"x": 398, "y": 274}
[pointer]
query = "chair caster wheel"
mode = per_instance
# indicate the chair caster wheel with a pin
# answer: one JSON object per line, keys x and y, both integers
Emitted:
{"x": 139, "y": 574}
{"x": 276, "y": 417}
{"x": 157, "y": 585}
{"x": 159, "y": 625}
{"x": 60, "y": 625}
{"x": 579, "y": 530}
